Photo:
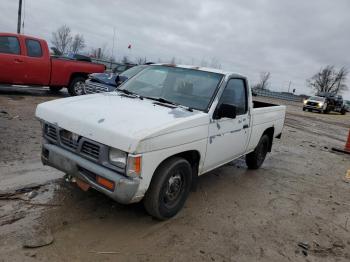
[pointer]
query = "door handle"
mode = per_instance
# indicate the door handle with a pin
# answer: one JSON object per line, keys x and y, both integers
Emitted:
{"x": 18, "y": 61}
{"x": 245, "y": 126}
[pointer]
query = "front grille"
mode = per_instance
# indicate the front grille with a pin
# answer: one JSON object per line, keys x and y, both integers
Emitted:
{"x": 91, "y": 149}
{"x": 91, "y": 88}
{"x": 51, "y": 132}
{"x": 312, "y": 103}
{"x": 87, "y": 173}
{"x": 80, "y": 145}
{"x": 69, "y": 139}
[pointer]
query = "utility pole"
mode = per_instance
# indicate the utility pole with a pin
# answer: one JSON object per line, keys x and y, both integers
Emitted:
{"x": 19, "y": 17}
{"x": 113, "y": 46}
{"x": 290, "y": 83}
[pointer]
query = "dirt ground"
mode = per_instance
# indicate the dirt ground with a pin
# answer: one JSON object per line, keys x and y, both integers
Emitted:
{"x": 295, "y": 208}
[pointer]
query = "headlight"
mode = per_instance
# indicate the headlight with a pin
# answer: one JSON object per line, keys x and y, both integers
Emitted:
{"x": 320, "y": 104}
{"x": 117, "y": 157}
{"x": 305, "y": 101}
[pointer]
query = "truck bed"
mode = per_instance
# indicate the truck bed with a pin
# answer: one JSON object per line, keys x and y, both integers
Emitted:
{"x": 259, "y": 104}
{"x": 265, "y": 115}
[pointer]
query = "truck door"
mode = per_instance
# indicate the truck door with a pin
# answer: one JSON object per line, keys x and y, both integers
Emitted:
{"x": 37, "y": 63}
{"x": 11, "y": 60}
{"x": 228, "y": 138}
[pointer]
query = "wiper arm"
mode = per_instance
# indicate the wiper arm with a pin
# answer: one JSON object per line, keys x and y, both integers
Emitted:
{"x": 162, "y": 100}
{"x": 127, "y": 92}
{"x": 166, "y": 101}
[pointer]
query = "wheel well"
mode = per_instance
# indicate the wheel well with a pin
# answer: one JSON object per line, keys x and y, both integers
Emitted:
{"x": 193, "y": 157}
{"x": 74, "y": 75}
{"x": 269, "y": 132}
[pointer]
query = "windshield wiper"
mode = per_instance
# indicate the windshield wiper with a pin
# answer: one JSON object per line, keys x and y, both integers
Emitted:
{"x": 162, "y": 100}
{"x": 166, "y": 101}
{"x": 127, "y": 92}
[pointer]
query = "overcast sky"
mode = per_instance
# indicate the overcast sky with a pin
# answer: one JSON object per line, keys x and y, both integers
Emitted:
{"x": 291, "y": 39}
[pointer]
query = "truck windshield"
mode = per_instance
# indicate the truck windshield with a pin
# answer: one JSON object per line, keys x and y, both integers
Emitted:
{"x": 316, "y": 98}
{"x": 188, "y": 87}
{"x": 132, "y": 71}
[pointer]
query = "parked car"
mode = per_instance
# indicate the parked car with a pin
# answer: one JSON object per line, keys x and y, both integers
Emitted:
{"x": 26, "y": 60}
{"x": 315, "y": 103}
{"x": 157, "y": 133}
{"x": 107, "y": 82}
{"x": 325, "y": 103}
{"x": 347, "y": 105}
{"x": 121, "y": 68}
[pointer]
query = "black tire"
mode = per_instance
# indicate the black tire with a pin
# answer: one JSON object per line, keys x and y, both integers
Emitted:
{"x": 343, "y": 111}
{"x": 303, "y": 108}
{"x": 255, "y": 159}
{"x": 164, "y": 200}
{"x": 55, "y": 89}
{"x": 75, "y": 87}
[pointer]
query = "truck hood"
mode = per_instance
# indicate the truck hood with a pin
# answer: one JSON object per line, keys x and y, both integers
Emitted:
{"x": 104, "y": 78}
{"x": 122, "y": 122}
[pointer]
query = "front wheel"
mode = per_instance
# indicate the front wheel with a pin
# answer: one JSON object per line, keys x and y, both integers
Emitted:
{"x": 76, "y": 86}
{"x": 255, "y": 159}
{"x": 169, "y": 188}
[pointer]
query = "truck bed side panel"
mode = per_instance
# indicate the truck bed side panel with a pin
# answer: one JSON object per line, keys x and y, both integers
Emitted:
{"x": 63, "y": 69}
{"x": 264, "y": 118}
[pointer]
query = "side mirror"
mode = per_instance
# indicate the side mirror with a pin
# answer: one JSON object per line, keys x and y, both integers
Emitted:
{"x": 120, "y": 79}
{"x": 226, "y": 110}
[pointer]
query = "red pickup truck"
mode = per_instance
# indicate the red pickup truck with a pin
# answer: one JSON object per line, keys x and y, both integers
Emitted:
{"x": 25, "y": 60}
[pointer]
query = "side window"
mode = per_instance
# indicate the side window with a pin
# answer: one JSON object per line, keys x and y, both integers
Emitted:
{"x": 33, "y": 48}
{"x": 235, "y": 93}
{"x": 9, "y": 45}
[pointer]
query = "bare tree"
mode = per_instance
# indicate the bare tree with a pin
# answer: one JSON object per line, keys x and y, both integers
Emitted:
{"x": 125, "y": 60}
{"x": 99, "y": 53}
{"x": 78, "y": 43}
{"x": 62, "y": 39}
{"x": 204, "y": 63}
{"x": 141, "y": 60}
{"x": 215, "y": 63}
{"x": 264, "y": 81}
{"x": 329, "y": 80}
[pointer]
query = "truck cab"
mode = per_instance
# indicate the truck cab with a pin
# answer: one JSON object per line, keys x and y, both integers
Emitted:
{"x": 25, "y": 60}
{"x": 151, "y": 138}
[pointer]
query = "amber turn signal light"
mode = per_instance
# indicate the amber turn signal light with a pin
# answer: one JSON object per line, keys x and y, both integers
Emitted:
{"x": 106, "y": 183}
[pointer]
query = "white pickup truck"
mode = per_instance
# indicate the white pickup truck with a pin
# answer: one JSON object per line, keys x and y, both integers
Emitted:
{"x": 157, "y": 133}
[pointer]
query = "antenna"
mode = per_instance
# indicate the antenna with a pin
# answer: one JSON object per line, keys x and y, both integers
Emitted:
{"x": 113, "y": 42}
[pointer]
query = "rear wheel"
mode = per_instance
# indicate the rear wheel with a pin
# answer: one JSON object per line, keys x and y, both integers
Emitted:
{"x": 55, "y": 89}
{"x": 169, "y": 188}
{"x": 76, "y": 86}
{"x": 255, "y": 159}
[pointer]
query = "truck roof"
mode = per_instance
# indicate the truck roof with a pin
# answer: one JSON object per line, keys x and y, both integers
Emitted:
{"x": 205, "y": 69}
{"x": 19, "y": 35}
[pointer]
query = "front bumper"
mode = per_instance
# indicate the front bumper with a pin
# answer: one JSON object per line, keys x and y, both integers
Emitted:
{"x": 125, "y": 188}
{"x": 313, "y": 107}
